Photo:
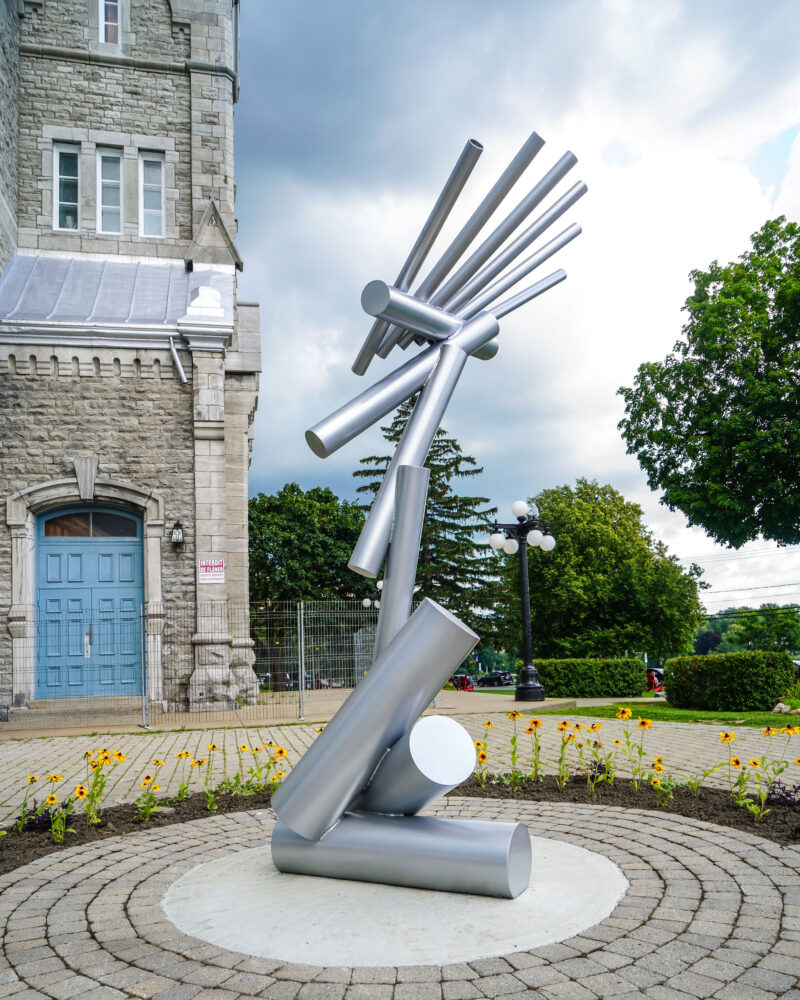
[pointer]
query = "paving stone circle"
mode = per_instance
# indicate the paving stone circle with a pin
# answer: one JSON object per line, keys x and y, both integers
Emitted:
{"x": 710, "y": 912}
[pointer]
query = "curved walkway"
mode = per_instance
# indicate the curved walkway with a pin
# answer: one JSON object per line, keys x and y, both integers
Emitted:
{"x": 709, "y": 913}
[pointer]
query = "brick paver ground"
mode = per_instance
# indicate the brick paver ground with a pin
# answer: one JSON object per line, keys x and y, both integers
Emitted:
{"x": 709, "y": 913}
{"x": 687, "y": 749}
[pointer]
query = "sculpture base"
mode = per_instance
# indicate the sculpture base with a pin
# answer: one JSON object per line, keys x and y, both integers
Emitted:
{"x": 241, "y": 902}
{"x": 533, "y": 693}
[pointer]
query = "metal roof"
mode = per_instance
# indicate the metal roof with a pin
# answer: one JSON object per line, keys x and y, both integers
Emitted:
{"x": 94, "y": 294}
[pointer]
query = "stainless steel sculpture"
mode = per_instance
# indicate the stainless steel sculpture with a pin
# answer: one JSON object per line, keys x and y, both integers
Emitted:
{"x": 347, "y": 810}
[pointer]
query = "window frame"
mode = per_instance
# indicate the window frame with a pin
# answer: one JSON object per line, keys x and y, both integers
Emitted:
{"x": 158, "y": 156}
{"x": 117, "y": 154}
{"x": 103, "y": 24}
{"x": 75, "y": 149}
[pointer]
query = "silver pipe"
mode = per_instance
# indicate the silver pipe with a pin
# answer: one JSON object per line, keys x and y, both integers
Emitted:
{"x": 470, "y": 230}
{"x": 423, "y": 852}
{"x": 514, "y": 249}
{"x": 444, "y": 204}
{"x": 433, "y": 757}
{"x": 401, "y": 565}
{"x": 536, "y": 195}
{"x": 488, "y": 295}
{"x": 504, "y": 308}
{"x": 355, "y": 416}
{"x": 412, "y": 449}
{"x": 400, "y": 685}
{"x": 177, "y": 362}
{"x": 380, "y": 299}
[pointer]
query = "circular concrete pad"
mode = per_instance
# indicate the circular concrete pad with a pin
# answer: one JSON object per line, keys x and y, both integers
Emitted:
{"x": 243, "y": 903}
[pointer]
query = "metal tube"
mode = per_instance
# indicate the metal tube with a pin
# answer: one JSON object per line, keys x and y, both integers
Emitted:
{"x": 488, "y": 295}
{"x": 433, "y": 757}
{"x": 504, "y": 308}
{"x": 368, "y": 407}
{"x": 412, "y": 449}
{"x": 383, "y": 706}
{"x": 514, "y": 249}
{"x": 380, "y": 299}
{"x": 401, "y": 566}
{"x": 470, "y": 230}
{"x": 177, "y": 362}
{"x": 444, "y": 204}
{"x": 450, "y": 855}
{"x": 536, "y": 195}
{"x": 301, "y": 659}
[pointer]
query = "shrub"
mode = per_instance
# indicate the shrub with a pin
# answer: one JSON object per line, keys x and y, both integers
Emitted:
{"x": 728, "y": 682}
{"x": 590, "y": 678}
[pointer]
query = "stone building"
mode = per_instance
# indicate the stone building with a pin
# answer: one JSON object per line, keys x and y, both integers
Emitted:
{"x": 128, "y": 368}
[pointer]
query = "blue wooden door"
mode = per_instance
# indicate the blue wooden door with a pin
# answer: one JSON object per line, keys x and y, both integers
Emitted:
{"x": 90, "y": 592}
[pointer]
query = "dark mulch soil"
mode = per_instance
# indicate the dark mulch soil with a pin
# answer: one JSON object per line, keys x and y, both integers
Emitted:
{"x": 712, "y": 805}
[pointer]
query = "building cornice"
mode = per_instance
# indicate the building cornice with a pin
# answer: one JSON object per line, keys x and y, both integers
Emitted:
{"x": 216, "y": 338}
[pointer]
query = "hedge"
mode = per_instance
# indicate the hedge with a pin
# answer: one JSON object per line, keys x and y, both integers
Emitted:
{"x": 728, "y": 682}
{"x": 588, "y": 678}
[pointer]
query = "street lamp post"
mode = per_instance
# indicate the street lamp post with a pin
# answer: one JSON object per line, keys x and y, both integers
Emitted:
{"x": 516, "y": 537}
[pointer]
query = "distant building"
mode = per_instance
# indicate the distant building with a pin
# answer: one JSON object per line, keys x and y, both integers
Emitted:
{"x": 128, "y": 368}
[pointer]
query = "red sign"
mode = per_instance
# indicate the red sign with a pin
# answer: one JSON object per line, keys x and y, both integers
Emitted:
{"x": 211, "y": 571}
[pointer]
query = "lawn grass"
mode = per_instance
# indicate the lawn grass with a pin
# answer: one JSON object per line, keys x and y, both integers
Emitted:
{"x": 660, "y": 712}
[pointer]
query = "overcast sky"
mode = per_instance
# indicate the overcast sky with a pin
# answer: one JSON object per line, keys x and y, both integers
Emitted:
{"x": 685, "y": 118}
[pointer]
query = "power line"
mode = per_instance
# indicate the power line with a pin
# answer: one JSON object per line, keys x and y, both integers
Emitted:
{"x": 755, "y": 553}
{"x": 739, "y": 590}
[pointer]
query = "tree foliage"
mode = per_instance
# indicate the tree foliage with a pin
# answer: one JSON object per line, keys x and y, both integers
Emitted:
{"x": 300, "y": 543}
{"x": 771, "y": 628}
{"x": 609, "y": 588}
{"x": 715, "y": 425}
{"x": 453, "y": 569}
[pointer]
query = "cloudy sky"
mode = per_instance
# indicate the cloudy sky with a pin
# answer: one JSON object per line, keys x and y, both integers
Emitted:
{"x": 685, "y": 118}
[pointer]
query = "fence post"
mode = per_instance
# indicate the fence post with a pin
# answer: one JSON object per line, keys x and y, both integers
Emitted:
{"x": 145, "y": 707}
{"x": 301, "y": 648}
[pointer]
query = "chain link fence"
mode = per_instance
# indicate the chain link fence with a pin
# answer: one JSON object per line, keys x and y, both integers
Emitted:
{"x": 73, "y": 668}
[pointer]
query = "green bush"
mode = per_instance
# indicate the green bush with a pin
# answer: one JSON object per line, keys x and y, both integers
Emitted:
{"x": 728, "y": 682}
{"x": 588, "y": 678}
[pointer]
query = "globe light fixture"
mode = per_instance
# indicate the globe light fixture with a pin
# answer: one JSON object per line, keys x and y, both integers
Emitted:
{"x": 374, "y": 601}
{"x": 515, "y": 538}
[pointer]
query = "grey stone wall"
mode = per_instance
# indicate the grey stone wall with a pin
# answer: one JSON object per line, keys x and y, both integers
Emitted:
{"x": 136, "y": 417}
{"x": 9, "y": 77}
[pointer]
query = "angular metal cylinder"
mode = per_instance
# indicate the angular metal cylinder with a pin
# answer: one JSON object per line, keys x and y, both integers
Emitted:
{"x": 400, "y": 685}
{"x": 449, "y": 855}
{"x": 433, "y": 757}
{"x": 531, "y": 292}
{"x": 380, "y": 299}
{"x": 401, "y": 566}
{"x": 412, "y": 449}
{"x": 373, "y": 403}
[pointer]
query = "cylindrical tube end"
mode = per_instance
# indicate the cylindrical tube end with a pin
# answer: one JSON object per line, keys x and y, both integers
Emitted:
{"x": 316, "y": 444}
{"x": 375, "y": 297}
{"x": 487, "y": 352}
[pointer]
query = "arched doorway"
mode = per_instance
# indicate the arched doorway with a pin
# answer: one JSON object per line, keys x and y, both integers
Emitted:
{"x": 89, "y": 602}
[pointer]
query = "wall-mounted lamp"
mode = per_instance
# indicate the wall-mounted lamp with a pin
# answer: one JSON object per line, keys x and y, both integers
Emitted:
{"x": 177, "y": 534}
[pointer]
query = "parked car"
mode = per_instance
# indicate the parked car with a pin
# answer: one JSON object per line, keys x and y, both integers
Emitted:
{"x": 497, "y": 678}
{"x": 463, "y": 682}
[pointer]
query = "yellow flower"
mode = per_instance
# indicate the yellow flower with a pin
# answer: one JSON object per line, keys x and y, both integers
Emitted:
{"x": 655, "y": 782}
{"x": 81, "y": 791}
{"x": 568, "y": 738}
{"x": 658, "y": 760}
{"x": 212, "y": 747}
{"x": 195, "y": 763}
{"x": 105, "y": 757}
{"x": 534, "y": 723}
{"x": 483, "y": 756}
{"x": 280, "y": 753}
{"x": 51, "y": 800}
{"x": 320, "y": 729}
{"x": 617, "y": 743}
{"x": 255, "y": 750}
{"x": 790, "y": 731}
{"x": 514, "y": 714}
{"x": 736, "y": 762}
{"x": 119, "y": 756}
{"x": 96, "y": 765}
{"x": 644, "y": 723}
{"x": 769, "y": 731}
{"x": 55, "y": 777}
{"x": 595, "y": 727}
{"x": 158, "y": 763}
{"x": 244, "y": 747}
{"x": 146, "y": 780}
{"x": 183, "y": 754}
{"x": 597, "y": 744}
{"x": 578, "y": 726}
{"x": 478, "y": 745}
{"x": 32, "y": 779}
{"x": 280, "y": 775}
{"x": 625, "y": 713}
{"x": 563, "y": 726}
{"x": 727, "y": 737}
{"x": 797, "y": 761}
{"x": 755, "y": 764}
{"x": 156, "y": 788}
{"x": 658, "y": 768}
{"x": 488, "y": 725}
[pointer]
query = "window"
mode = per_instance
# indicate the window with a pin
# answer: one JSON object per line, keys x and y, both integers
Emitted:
{"x": 109, "y": 184}
{"x": 109, "y": 21}
{"x": 151, "y": 194}
{"x": 66, "y": 183}
{"x": 94, "y": 524}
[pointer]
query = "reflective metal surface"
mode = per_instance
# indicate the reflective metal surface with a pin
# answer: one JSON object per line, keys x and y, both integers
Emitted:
{"x": 451, "y": 855}
{"x": 400, "y": 685}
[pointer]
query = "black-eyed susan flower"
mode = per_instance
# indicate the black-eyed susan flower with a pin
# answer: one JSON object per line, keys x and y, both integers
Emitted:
{"x": 597, "y": 745}
{"x": 514, "y": 714}
{"x": 51, "y": 800}
{"x": 479, "y": 744}
{"x": 487, "y": 724}
{"x": 183, "y": 754}
{"x": 644, "y": 723}
{"x": 280, "y": 775}
{"x": 595, "y": 727}
{"x": 658, "y": 768}
{"x": 617, "y": 743}
{"x": 534, "y": 723}
{"x": 563, "y": 726}
{"x": 483, "y": 756}
{"x": 120, "y": 757}
{"x": 32, "y": 779}
{"x": 280, "y": 753}
{"x": 797, "y": 761}
{"x": 727, "y": 737}
{"x": 769, "y": 731}
{"x": 53, "y": 778}
{"x": 320, "y": 729}
{"x": 655, "y": 782}
{"x": 736, "y": 761}
{"x": 624, "y": 713}
{"x": 755, "y": 764}
{"x": 146, "y": 780}
{"x": 255, "y": 750}
{"x": 155, "y": 788}
{"x": 81, "y": 791}
{"x": 658, "y": 760}
{"x": 244, "y": 747}
{"x": 158, "y": 762}
{"x": 212, "y": 747}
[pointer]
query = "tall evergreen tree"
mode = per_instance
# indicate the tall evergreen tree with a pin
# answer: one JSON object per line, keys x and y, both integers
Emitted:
{"x": 452, "y": 569}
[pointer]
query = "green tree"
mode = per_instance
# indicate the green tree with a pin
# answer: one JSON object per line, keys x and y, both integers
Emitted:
{"x": 609, "y": 588}
{"x": 300, "y": 543}
{"x": 771, "y": 628}
{"x": 715, "y": 425}
{"x": 452, "y": 569}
